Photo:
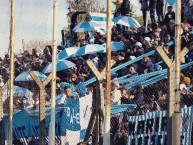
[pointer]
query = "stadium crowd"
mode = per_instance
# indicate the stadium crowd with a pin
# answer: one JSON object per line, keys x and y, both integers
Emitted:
{"x": 137, "y": 41}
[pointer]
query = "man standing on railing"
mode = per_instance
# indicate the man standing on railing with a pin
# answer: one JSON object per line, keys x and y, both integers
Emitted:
{"x": 152, "y": 9}
{"x": 144, "y": 9}
{"x": 73, "y": 16}
{"x": 125, "y": 11}
{"x": 159, "y": 10}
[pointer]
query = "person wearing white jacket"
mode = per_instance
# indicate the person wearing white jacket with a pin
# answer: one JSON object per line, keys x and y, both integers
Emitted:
{"x": 1, "y": 81}
{"x": 115, "y": 93}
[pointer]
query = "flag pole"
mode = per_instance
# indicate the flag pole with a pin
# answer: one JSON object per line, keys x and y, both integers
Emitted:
{"x": 54, "y": 61}
{"x": 106, "y": 137}
{"x": 12, "y": 39}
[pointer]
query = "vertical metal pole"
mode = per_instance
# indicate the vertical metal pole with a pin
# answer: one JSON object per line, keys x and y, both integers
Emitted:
{"x": 12, "y": 36}
{"x": 178, "y": 54}
{"x": 54, "y": 51}
{"x": 106, "y": 137}
{"x": 101, "y": 113}
{"x": 42, "y": 114}
{"x": 175, "y": 128}
{"x": 171, "y": 102}
{"x": 23, "y": 44}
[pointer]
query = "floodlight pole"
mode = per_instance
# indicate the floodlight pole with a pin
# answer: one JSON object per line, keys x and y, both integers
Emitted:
{"x": 12, "y": 40}
{"x": 54, "y": 60}
{"x": 107, "y": 120}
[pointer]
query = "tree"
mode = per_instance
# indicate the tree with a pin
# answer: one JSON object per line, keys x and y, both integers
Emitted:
{"x": 86, "y": 5}
{"x": 139, "y": 18}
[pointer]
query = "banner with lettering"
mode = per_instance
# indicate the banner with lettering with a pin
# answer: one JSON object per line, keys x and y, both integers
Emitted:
{"x": 150, "y": 128}
{"x": 72, "y": 118}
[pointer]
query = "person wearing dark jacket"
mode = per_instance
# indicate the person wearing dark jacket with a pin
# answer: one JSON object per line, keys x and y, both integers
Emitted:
{"x": 152, "y": 9}
{"x": 125, "y": 11}
{"x": 144, "y": 9}
{"x": 170, "y": 15}
{"x": 159, "y": 10}
{"x": 125, "y": 8}
{"x": 73, "y": 15}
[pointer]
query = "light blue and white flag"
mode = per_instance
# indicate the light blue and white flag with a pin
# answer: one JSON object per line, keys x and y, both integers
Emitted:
{"x": 150, "y": 128}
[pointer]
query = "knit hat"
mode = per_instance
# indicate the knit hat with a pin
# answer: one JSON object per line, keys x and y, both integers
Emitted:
{"x": 74, "y": 76}
{"x": 147, "y": 39}
{"x": 138, "y": 44}
{"x": 187, "y": 80}
{"x": 121, "y": 54}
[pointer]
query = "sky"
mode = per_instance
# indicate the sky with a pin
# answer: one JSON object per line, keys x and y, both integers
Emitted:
{"x": 33, "y": 21}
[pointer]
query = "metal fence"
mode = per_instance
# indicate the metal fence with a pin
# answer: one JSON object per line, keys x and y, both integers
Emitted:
{"x": 31, "y": 122}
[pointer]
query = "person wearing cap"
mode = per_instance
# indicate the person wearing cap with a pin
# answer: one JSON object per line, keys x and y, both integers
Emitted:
{"x": 138, "y": 44}
{"x": 147, "y": 45}
{"x": 73, "y": 78}
{"x": 121, "y": 58}
{"x": 187, "y": 81}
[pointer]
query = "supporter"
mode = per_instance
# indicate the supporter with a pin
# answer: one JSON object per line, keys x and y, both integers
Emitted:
{"x": 72, "y": 79}
{"x": 188, "y": 10}
{"x": 36, "y": 102}
{"x": 146, "y": 65}
{"x": 95, "y": 60}
{"x": 125, "y": 96}
{"x": 81, "y": 88}
{"x": 147, "y": 44}
{"x": 68, "y": 93}
{"x": 1, "y": 81}
{"x": 152, "y": 9}
{"x": 125, "y": 11}
{"x": 159, "y": 10}
{"x": 132, "y": 71}
{"x": 121, "y": 60}
{"x": 189, "y": 56}
{"x": 168, "y": 51}
{"x": 115, "y": 93}
{"x": 144, "y": 9}
{"x": 170, "y": 15}
{"x": 73, "y": 16}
